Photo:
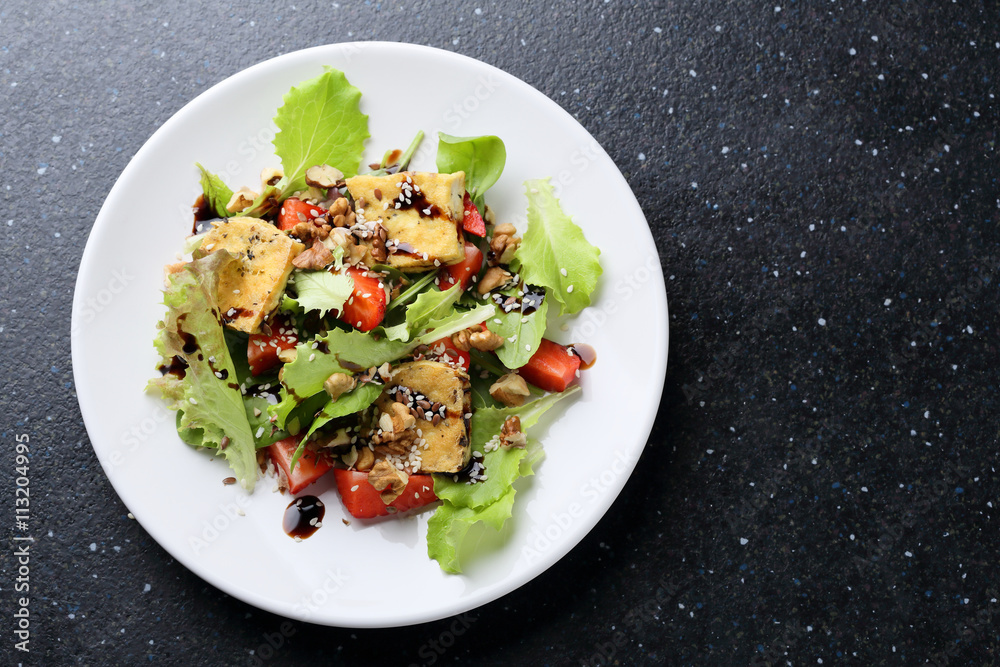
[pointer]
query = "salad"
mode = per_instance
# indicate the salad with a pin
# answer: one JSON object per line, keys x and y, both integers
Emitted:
{"x": 376, "y": 324}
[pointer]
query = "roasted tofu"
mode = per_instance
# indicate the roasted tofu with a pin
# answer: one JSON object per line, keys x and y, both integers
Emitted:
{"x": 444, "y": 386}
{"x": 421, "y": 212}
{"x": 251, "y": 287}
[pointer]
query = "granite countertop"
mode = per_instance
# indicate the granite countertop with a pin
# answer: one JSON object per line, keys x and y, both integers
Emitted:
{"x": 821, "y": 181}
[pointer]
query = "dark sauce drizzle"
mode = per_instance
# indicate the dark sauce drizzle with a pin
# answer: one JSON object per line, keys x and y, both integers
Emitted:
{"x": 587, "y": 354}
{"x": 303, "y": 516}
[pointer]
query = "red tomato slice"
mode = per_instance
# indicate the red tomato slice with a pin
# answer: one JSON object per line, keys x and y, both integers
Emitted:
{"x": 472, "y": 222}
{"x": 552, "y": 367}
{"x": 262, "y": 350}
{"x": 464, "y": 270}
{"x": 288, "y": 215}
{"x": 365, "y": 308}
{"x": 363, "y": 501}
{"x": 310, "y": 466}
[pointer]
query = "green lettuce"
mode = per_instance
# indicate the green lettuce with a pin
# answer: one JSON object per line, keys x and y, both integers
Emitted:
{"x": 354, "y": 401}
{"x": 554, "y": 245}
{"x": 491, "y": 500}
{"x": 320, "y": 122}
{"x": 191, "y": 332}
{"x": 322, "y": 290}
{"x": 481, "y": 158}
{"x": 431, "y": 305}
{"x": 216, "y": 192}
{"x": 522, "y": 334}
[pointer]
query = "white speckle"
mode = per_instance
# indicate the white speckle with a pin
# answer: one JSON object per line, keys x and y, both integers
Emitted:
{"x": 56, "y": 139}
{"x": 858, "y": 142}
{"x": 777, "y": 9}
{"x": 822, "y": 322}
{"x": 642, "y": 156}
{"x": 874, "y": 38}
{"x": 887, "y": 302}
{"x": 147, "y": 588}
{"x": 927, "y": 414}
{"x": 718, "y": 28}
{"x": 479, "y": 12}
{"x": 694, "y": 185}
{"x": 725, "y": 149}
{"x": 912, "y": 432}
{"x": 881, "y": 77}
{"x": 93, "y": 546}
{"x": 454, "y": 42}
{"x": 692, "y": 72}
{"x": 775, "y": 273}
{"x": 969, "y": 329}
{"x": 864, "y": 489}
{"x": 803, "y": 254}
{"x": 853, "y": 51}
{"x": 924, "y": 76}
{"x": 852, "y": 537}
{"x": 41, "y": 170}
{"x": 874, "y": 151}
{"x": 908, "y": 554}
{"x": 743, "y": 540}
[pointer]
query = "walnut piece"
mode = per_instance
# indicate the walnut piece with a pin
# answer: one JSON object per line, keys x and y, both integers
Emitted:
{"x": 287, "y": 356}
{"x": 511, "y": 390}
{"x": 270, "y": 176}
{"x": 511, "y": 434}
{"x": 493, "y": 278}
{"x": 485, "y": 341}
{"x": 388, "y": 480}
{"x": 316, "y": 257}
{"x": 365, "y": 460}
{"x": 338, "y": 384}
{"x": 240, "y": 200}
{"x": 323, "y": 176}
{"x": 306, "y": 231}
{"x": 503, "y": 245}
{"x": 461, "y": 340}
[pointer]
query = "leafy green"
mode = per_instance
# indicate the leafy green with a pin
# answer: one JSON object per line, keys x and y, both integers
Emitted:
{"x": 265, "y": 202}
{"x": 449, "y": 525}
{"x": 191, "y": 331}
{"x": 489, "y": 501}
{"x": 481, "y": 158}
{"x": 320, "y": 122}
{"x": 216, "y": 192}
{"x": 322, "y": 290}
{"x": 354, "y": 401}
{"x": 431, "y": 305}
{"x": 522, "y": 334}
{"x": 554, "y": 244}
{"x": 412, "y": 291}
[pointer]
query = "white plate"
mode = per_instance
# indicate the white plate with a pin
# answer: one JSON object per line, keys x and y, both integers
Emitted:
{"x": 355, "y": 575}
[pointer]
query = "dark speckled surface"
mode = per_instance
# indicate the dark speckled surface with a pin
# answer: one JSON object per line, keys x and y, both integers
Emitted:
{"x": 821, "y": 180}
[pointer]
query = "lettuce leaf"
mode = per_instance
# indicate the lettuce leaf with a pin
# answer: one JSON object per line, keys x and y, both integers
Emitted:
{"x": 322, "y": 290}
{"x": 481, "y": 158}
{"x": 522, "y": 334}
{"x": 489, "y": 501}
{"x": 447, "y": 528}
{"x": 431, "y": 305}
{"x": 351, "y": 402}
{"x": 552, "y": 245}
{"x": 216, "y": 192}
{"x": 320, "y": 122}
{"x": 192, "y": 332}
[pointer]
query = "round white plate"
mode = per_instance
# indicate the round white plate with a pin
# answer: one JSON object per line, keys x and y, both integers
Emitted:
{"x": 366, "y": 574}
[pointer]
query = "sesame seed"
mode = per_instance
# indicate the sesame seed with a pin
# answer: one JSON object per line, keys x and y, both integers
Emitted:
{"x": 354, "y": 488}
{"x": 312, "y": 356}
{"x": 528, "y": 348}
{"x": 569, "y": 289}
{"x": 563, "y": 272}
{"x": 192, "y": 401}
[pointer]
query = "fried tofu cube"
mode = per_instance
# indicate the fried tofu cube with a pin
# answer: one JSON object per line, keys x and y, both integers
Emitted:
{"x": 448, "y": 442}
{"x": 422, "y": 214}
{"x": 251, "y": 287}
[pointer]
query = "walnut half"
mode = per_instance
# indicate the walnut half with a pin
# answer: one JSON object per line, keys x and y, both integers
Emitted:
{"x": 511, "y": 390}
{"x": 388, "y": 480}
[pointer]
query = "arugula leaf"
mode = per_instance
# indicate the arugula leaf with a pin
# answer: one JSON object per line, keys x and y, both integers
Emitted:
{"x": 503, "y": 465}
{"x": 322, "y": 290}
{"x": 430, "y": 305}
{"x": 447, "y": 528}
{"x": 522, "y": 334}
{"x": 351, "y": 402}
{"x": 216, "y": 192}
{"x": 320, "y": 122}
{"x": 481, "y": 158}
{"x": 552, "y": 244}
{"x": 208, "y": 403}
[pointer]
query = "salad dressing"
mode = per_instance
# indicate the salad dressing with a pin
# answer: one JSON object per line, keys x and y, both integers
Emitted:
{"x": 587, "y": 354}
{"x": 303, "y": 516}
